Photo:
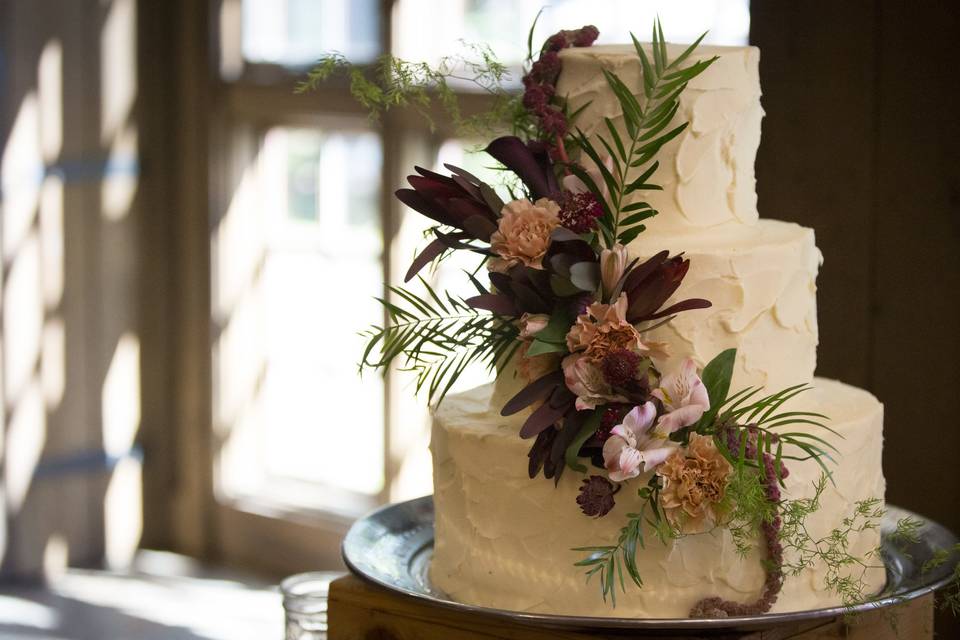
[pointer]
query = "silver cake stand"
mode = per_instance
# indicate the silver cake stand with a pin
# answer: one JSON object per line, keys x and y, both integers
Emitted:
{"x": 392, "y": 548}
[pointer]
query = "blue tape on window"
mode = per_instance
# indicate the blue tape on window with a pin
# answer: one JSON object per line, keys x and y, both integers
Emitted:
{"x": 81, "y": 170}
{"x": 82, "y": 463}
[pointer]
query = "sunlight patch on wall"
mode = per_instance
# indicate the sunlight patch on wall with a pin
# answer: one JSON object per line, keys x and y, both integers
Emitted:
{"x": 50, "y": 93}
{"x": 22, "y": 318}
{"x": 120, "y": 397}
{"x": 239, "y": 246}
{"x": 123, "y": 509}
{"x": 21, "y": 170}
{"x": 118, "y": 70}
{"x": 53, "y": 363}
{"x": 56, "y": 557}
{"x": 119, "y": 184}
{"x": 51, "y": 240}
{"x": 26, "y": 436}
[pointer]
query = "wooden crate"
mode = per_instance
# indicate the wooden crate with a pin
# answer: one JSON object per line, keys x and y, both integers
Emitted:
{"x": 360, "y": 611}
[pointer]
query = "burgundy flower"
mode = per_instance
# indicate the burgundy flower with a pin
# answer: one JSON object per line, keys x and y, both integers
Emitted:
{"x": 620, "y": 367}
{"x": 585, "y": 36}
{"x": 537, "y": 97}
{"x": 462, "y": 201}
{"x": 556, "y": 42}
{"x": 649, "y": 285}
{"x": 579, "y": 211}
{"x": 553, "y": 121}
{"x": 596, "y": 496}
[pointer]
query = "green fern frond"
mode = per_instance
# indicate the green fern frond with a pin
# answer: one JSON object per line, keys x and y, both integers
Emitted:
{"x": 646, "y": 125}
{"x": 436, "y": 338}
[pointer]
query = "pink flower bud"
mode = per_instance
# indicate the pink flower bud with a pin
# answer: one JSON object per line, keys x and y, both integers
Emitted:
{"x": 612, "y": 263}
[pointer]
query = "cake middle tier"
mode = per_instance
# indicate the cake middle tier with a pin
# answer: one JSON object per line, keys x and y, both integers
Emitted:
{"x": 761, "y": 281}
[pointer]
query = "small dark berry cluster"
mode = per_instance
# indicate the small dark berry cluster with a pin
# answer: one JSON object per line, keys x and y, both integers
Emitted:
{"x": 718, "y": 607}
{"x": 579, "y": 212}
{"x": 540, "y": 83}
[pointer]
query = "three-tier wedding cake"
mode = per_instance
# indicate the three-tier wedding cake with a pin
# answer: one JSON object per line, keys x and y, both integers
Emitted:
{"x": 507, "y": 541}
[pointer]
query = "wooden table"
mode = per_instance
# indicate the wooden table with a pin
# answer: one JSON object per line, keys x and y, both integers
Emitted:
{"x": 360, "y": 611}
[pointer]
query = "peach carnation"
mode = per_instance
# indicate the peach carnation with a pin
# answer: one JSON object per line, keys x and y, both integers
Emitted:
{"x": 694, "y": 483}
{"x": 523, "y": 234}
{"x": 602, "y": 329}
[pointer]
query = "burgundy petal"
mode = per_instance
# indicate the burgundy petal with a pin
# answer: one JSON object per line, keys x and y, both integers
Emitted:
{"x": 543, "y": 418}
{"x": 495, "y": 303}
{"x": 683, "y": 305}
{"x": 540, "y": 388}
{"x": 420, "y": 204}
{"x": 535, "y": 172}
{"x": 640, "y": 273}
{"x": 540, "y": 453}
{"x": 430, "y": 252}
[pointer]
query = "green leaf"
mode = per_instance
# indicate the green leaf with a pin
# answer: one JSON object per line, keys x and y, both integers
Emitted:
{"x": 638, "y": 217}
{"x": 654, "y": 145}
{"x": 588, "y": 148}
{"x": 631, "y": 234}
{"x": 615, "y": 137}
{"x": 658, "y": 57}
{"x": 530, "y": 35}
{"x": 686, "y": 53}
{"x": 538, "y": 347}
{"x": 589, "y": 427}
{"x": 662, "y": 43}
{"x": 648, "y": 78}
{"x": 557, "y": 328}
{"x": 638, "y": 206}
{"x": 628, "y": 102}
{"x": 716, "y": 378}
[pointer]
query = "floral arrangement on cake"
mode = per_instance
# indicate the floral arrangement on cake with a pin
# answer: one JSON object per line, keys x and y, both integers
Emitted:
{"x": 568, "y": 310}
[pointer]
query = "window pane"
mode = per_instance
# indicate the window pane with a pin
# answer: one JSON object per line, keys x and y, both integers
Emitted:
{"x": 317, "y": 200}
{"x": 296, "y": 32}
{"x": 410, "y": 430}
{"x": 503, "y": 24}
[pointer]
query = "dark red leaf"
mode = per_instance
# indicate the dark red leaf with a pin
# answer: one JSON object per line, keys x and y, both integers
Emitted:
{"x": 540, "y": 388}
{"x": 430, "y": 252}
{"x": 543, "y": 418}
{"x": 640, "y": 273}
{"x": 684, "y": 305}
{"x": 540, "y": 453}
{"x": 534, "y": 169}
{"x": 493, "y": 302}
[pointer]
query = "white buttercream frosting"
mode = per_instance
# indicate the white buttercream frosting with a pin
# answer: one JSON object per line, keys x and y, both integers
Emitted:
{"x": 505, "y": 541}
{"x": 761, "y": 282}
{"x": 707, "y": 171}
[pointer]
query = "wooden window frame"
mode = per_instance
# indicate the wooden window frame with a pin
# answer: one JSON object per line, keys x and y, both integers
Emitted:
{"x": 216, "y": 117}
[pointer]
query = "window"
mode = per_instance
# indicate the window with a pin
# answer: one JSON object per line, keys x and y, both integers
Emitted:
{"x": 305, "y": 232}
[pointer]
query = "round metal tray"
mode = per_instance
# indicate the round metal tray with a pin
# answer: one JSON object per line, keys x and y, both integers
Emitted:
{"x": 392, "y": 548}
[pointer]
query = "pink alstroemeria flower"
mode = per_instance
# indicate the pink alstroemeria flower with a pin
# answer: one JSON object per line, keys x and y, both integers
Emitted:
{"x": 633, "y": 443}
{"x": 684, "y": 397}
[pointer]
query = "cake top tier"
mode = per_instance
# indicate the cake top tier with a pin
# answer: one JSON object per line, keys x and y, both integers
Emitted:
{"x": 707, "y": 171}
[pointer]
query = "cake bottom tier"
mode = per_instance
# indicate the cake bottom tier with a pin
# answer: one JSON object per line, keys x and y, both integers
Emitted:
{"x": 505, "y": 541}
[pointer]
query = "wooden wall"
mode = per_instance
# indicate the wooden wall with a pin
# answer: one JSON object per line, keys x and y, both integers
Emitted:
{"x": 861, "y": 141}
{"x": 70, "y": 227}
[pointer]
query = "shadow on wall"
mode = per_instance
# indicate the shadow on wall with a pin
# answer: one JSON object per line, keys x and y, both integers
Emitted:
{"x": 71, "y": 357}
